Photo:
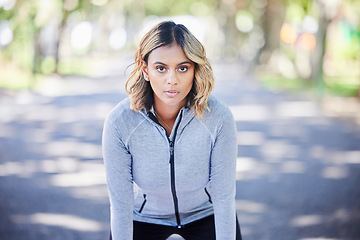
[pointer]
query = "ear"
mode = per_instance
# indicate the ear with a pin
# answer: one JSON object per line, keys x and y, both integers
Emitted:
{"x": 144, "y": 69}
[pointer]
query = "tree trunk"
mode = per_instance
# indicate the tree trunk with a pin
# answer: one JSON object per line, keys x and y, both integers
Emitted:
{"x": 319, "y": 51}
{"x": 59, "y": 39}
{"x": 228, "y": 10}
{"x": 37, "y": 53}
{"x": 273, "y": 20}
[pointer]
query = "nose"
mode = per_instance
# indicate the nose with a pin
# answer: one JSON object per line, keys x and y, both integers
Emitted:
{"x": 172, "y": 78}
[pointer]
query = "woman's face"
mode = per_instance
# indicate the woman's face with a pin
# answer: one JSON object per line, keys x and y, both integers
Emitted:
{"x": 170, "y": 74}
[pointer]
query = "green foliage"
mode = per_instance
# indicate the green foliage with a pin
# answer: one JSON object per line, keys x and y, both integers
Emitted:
{"x": 48, "y": 65}
{"x": 20, "y": 50}
{"x": 172, "y": 7}
{"x": 28, "y": 17}
{"x": 295, "y": 13}
{"x": 345, "y": 86}
{"x": 350, "y": 42}
{"x": 76, "y": 66}
{"x": 5, "y": 15}
{"x": 279, "y": 82}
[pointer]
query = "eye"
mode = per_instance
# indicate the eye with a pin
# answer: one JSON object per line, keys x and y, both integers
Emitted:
{"x": 183, "y": 69}
{"x": 161, "y": 68}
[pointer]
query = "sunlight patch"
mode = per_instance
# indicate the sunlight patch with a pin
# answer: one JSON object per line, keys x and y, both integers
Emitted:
{"x": 247, "y": 138}
{"x": 249, "y": 206}
{"x": 60, "y": 220}
{"x": 80, "y": 179}
{"x": 293, "y": 167}
{"x": 250, "y": 113}
{"x": 335, "y": 172}
{"x": 297, "y": 109}
{"x": 244, "y": 164}
{"x": 306, "y": 220}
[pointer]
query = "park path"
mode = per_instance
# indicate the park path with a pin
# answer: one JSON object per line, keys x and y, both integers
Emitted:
{"x": 298, "y": 170}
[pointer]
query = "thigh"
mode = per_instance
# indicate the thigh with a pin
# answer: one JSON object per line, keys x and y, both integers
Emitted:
{"x": 148, "y": 231}
{"x": 204, "y": 229}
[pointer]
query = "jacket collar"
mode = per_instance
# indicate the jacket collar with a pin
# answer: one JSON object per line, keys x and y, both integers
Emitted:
{"x": 186, "y": 113}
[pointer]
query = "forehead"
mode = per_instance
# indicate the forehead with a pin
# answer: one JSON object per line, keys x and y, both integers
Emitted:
{"x": 168, "y": 54}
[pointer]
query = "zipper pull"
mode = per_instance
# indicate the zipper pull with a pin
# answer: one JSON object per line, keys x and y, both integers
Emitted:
{"x": 171, "y": 147}
{"x": 171, "y": 144}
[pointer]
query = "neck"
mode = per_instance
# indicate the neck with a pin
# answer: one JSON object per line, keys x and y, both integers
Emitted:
{"x": 168, "y": 114}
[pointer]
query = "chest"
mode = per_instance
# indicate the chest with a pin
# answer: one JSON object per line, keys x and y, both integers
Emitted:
{"x": 151, "y": 166}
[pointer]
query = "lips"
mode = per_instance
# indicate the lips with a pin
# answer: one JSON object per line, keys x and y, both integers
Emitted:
{"x": 172, "y": 93}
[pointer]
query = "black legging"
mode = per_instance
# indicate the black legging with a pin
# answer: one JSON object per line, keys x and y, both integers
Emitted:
{"x": 203, "y": 229}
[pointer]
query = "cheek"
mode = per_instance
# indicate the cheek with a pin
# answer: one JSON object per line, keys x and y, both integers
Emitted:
{"x": 190, "y": 83}
{"x": 153, "y": 74}
{"x": 155, "y": 85}
{"x": 190, "y": 80}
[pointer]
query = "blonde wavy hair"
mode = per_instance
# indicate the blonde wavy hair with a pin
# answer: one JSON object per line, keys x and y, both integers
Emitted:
{"x": 167, "y": 33}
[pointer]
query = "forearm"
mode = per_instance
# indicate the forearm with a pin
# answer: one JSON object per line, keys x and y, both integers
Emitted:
{"x": 223, "y": 179}
{"x": 117, "y": 162}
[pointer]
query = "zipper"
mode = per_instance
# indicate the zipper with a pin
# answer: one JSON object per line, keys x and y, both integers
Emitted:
{"x": 143, "y": 204}
{"x": 172, "y": 168}
{"x": 173, "y": 188}
{"x": 172, "y": 174}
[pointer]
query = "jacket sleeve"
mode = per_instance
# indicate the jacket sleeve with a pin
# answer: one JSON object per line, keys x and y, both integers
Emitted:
{"x": 223, "y": 178}
{"x": 117, "y": 162}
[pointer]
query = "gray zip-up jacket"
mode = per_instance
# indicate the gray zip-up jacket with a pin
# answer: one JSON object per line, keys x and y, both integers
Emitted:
{"x": 171, "y": 180}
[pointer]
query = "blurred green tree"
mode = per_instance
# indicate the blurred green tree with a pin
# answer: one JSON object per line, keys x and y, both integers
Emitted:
{"x": 249, "y": 29}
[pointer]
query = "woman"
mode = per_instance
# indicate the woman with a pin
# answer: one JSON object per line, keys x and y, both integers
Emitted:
{"x": 170, "y": 148}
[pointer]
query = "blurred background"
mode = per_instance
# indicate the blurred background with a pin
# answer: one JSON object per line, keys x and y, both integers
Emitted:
{"x": 292, "y": 44}
{"x": 288, "y": 69}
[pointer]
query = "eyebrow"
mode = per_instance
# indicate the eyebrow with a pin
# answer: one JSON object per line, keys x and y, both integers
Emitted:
{"x": 185, "y": 62}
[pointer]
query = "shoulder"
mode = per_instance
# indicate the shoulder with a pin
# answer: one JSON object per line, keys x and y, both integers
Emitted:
{"x": 123, "y": 115}
{"x": 218, "y": 109}
{"x": 122, "y": 108}
{"x": 217, "y": 116}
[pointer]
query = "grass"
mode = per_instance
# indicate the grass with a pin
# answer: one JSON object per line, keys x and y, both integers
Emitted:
{"x": 16, "y": 78}
{"x": 345, "y": 86}
{"x": 13, "y": 77}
